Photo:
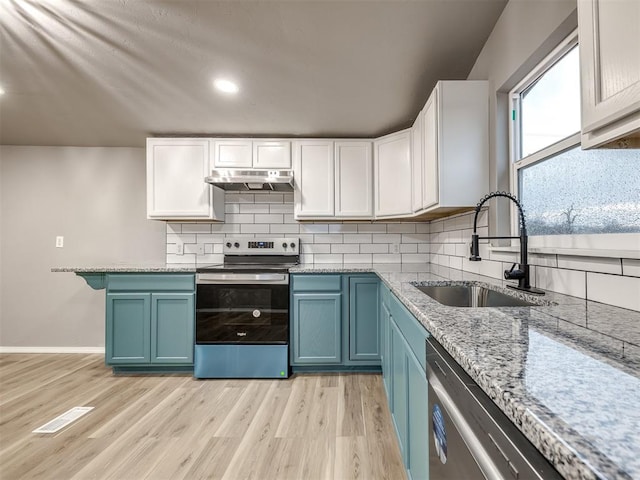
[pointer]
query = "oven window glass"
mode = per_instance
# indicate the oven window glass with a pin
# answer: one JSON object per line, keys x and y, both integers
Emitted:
{"x": 242, "y": 314}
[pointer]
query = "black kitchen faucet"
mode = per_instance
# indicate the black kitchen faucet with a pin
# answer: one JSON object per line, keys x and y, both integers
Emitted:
{"x": 523, "y": 272}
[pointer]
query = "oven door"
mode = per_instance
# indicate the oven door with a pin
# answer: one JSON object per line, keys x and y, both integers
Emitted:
{"x": 242, "y": 308}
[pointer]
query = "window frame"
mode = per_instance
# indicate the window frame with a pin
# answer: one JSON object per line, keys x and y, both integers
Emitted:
{"x": 605, "y": 245}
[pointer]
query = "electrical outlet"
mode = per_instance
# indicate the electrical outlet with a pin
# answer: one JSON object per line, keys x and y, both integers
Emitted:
{"x": 59, "y": 242}
{"x": 200, "y": 249}
{"x": 179, "y": 248}
{"x": 395, "y": 248}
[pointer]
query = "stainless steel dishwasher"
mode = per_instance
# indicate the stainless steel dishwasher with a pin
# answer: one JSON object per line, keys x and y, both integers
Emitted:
{"x": 471, "y": 438}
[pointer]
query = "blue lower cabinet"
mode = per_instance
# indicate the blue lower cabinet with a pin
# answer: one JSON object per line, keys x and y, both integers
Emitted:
{"x": 364, "y": 328}
{"x": 418, "y": 421}
{"x": 405, "y": 382}
{"x": 399, "y": 389}
{"x": 316, "y": 329}
{"x": 128, "y": 333}
{"x": 147, "y": 324}
{"x": 172, "y": 332}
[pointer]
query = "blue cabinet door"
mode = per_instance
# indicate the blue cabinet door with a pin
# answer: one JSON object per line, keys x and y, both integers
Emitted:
{"x": 364, "y": 327}
{"x": 385, "y": 347}
{"x": 418, "y": 421}
{"x": 172, "y": 328}
{"x": 128, "y": 328}
{"x": 399, "y": 391}
{"x": 316, "y": 328}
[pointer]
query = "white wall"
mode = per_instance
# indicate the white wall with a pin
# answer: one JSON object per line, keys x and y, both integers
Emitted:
{"x": 95, "y": 198}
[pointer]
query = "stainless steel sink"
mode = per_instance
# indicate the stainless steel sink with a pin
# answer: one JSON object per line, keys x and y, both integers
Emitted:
{"x": 471, "y": 296}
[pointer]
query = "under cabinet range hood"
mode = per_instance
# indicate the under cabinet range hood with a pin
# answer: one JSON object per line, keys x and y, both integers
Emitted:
{"x": 227, "y": 179}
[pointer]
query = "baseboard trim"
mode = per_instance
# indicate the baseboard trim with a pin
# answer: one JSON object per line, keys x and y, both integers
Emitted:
{"x": 52, "y": 350}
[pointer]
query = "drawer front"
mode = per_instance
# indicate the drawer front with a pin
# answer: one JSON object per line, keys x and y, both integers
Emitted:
{"x": 316, "y": 283}
{"x": 143, "y": 282}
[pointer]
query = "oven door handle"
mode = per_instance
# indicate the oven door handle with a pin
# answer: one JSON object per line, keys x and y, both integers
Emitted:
{"x": 242, "y": 278}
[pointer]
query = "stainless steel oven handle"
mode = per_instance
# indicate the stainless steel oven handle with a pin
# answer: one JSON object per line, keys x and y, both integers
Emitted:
{"x": 242, "y": 278}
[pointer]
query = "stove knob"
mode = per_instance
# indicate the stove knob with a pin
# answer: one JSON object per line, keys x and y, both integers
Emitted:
{"x": 284, "y": 245}
{"x": 237, "y": 245}
{"x": 228, "y": 244}
{"x": 293, "y": 245}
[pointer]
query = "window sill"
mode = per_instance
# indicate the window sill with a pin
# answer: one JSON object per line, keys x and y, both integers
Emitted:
{"x": 572, "y": 252}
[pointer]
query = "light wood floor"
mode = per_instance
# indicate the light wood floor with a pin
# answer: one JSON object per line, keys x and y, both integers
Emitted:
{"x": 171, "y": 427}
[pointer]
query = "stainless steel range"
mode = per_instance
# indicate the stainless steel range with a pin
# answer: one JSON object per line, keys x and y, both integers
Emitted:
{"x": 242, "y": 310}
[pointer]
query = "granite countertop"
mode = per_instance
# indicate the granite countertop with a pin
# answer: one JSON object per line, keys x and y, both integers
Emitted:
{"x": 131, "y": 268}
{"x": 567, "y": 373}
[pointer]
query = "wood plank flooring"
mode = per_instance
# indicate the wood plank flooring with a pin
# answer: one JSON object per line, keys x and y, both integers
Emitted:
{"x": 175, "y": 427}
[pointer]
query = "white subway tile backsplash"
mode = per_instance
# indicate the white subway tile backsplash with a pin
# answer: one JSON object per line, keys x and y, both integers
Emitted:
{"x": 174, "y": 227}
{"x": 373, "y": 247}
{"x": 356, "y": 238}
{"x": 281, "y": 208}
{"x": 591, "y": 264}
{"x": 414, "y": 238}
{"x": 210, "y": 238}
{"x": 415, "y": 258}
{"x": 372, "y": 228}
{"x": 614, "y": 289}
{"x": 254, "y": 228}
{"x": 327, "y": 258}
{"x": 357, "y": 258}
{"x": 455, "y": 262}
{"x": 386, "y": 238}
{"x": 181, "y": 238}
{"x": 386, "y": 258}
{"x": 270, "y": 197}
{"x": 244, "y": 218}
{"x": 328, "y": 238}
{"x": 253, "y": 208}
{"x": 401, "y": 228}
{"x": 345, "y": 248}
{"x": 268, "y": 218}
{"x": 569, "y": 282}
{"x": 314, "y": 228}
{"x": 285, "y": 229}
{"x": 443, "y": 243}
{"x": 631, "y": 267}
{"x": 316, "y": 248}
{"x": 343, "y": 228}
{"x": 409, "y": 248}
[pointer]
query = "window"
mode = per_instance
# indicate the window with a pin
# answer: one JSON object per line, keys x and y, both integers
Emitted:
{"x": 572, "y": 198}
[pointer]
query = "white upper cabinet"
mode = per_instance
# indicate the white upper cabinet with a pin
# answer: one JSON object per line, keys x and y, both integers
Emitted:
{"x": 392, "y": 174}
{"x": 609, "y": 34}
{"x": 271, "y": 154}
{"x": 353, "y": 179}
{"x": 247, "y": 153}
{"x": 313, "y": 177}
{"x": 176, "y": 189}
{"x": 430, "y": 181}
{"x": 417, "y": 161}
{"x": 333, "y": 179}
{"x": 456, "y": 146}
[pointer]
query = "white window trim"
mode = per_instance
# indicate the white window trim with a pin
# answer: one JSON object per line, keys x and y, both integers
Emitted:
{"x": 622, "y": 245}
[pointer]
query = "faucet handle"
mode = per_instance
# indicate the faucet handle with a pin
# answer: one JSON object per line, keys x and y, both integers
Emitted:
{"x": 514, "y": 274}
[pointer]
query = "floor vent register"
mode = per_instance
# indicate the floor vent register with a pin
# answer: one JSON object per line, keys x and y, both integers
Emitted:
{"x": 63, "y": 420}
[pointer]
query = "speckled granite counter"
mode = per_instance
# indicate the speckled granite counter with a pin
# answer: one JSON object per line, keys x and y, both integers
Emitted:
{"x": 131, "y": 268}
{"x": 568, "y": 374}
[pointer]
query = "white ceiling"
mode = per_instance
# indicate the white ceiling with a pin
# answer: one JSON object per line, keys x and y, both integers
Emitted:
{"x": 112, "y": 72}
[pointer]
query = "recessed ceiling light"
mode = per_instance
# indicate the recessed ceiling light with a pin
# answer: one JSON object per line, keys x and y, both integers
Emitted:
{"x": 225, "y": 86}
{"x": 1, "y": 91}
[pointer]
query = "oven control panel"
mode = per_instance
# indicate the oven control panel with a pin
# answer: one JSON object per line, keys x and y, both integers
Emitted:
{"x": 257, "y": 246}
